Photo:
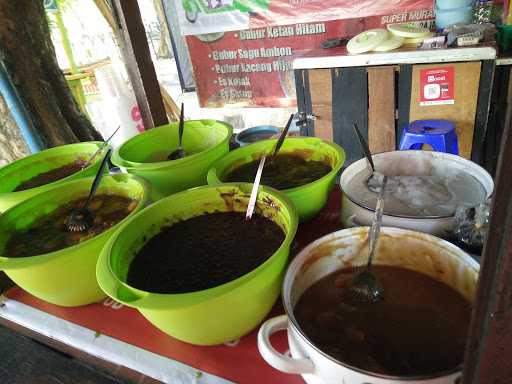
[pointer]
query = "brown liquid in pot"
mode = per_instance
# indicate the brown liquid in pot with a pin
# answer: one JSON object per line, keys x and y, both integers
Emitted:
{"x": 420, "y": 328}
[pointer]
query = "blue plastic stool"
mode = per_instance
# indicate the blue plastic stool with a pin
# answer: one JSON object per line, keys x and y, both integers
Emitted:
{"x": 439, "y": 134}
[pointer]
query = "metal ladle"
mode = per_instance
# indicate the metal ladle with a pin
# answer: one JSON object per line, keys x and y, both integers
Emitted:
{"x": 179, "y": 152}
{"x": 375, "y": 179}
{"x": 365, "y": 287}
{"x": 256, "y": 184}
{"x": 280, "y": 141}
{"x": 100, "y": 148}
{"x": 82, "y": 219}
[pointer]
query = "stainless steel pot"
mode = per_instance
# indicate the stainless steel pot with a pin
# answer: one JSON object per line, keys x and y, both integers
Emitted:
{"x": 413, "y": 250}
{"x": 354, "y": 214}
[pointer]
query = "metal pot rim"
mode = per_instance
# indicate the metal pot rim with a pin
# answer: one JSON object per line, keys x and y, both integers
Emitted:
{"x": 296, "y": 327}
{"x": 442, "y": 155}
{"x": 433, "y": 217}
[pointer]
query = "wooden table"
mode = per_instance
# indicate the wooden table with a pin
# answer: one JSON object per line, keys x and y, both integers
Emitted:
{"x": 120, "y": 344}
{"x": 114, "y": 346}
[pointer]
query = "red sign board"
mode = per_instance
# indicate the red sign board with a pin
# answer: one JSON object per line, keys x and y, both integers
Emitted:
{"x": 245, "y": 59}
{"x": 437, "y": 86}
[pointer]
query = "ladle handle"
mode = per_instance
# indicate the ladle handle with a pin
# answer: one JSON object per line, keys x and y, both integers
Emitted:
{"x": 102, "y": 146}
{"x": 98, "y": 177}
{"x": 365, "y": 148}
{"x": 377, "y": 221}
{"x": 280, "y": 141}
{"x": 181, "y": 125}
{"x": 254, "y": 192}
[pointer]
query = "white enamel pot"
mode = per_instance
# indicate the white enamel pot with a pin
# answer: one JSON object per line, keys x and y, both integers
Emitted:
{"x": 342, "y": 249}
{"x": 413, "y": 162}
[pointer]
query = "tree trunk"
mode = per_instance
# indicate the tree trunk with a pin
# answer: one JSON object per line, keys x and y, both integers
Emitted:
{"x": 29, "y": 57}
{"x": 12, "y": 145}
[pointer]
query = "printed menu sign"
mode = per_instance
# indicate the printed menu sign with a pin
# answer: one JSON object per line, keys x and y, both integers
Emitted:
{"x": 242, "y": 52}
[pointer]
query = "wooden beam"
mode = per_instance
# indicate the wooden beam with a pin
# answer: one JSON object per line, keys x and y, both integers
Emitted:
{"x": 500, "y": 112}
{"x": 489, "y": 349}
{"x": 173, "y": 111}
{"x": 381, "y": 109}
{"x": 320, "y": 89}
{"x": 106, "y": 10}
{"x": 404, "y": 100}
{"x": 482, "y": 112}
{"x": 135, "y": 49}
{"x": 304, "y": 102}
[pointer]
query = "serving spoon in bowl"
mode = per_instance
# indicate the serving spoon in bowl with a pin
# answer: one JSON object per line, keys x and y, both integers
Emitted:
{"x": 100, "y": 148}
{"x": 257, "y": 178}
{"x": 365, "y": 287}
{"x": 179, "y": 152}
{"x": 280, "y": 141}
{"x": 82, "y": 219}
{"x": 375, "y": 180}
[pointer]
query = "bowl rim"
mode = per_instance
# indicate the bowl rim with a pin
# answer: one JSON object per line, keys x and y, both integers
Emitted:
{"x": 240, "y": 136}
{"x": 119, "y": 161}
{"x": 149, "y": 300}
{"x": 410, "y": 217}
{"x": 213, "y": 171}
{"x": 26, "y": 261}
{"x": 43, "y": 155}
{"x": 297, "y": 262}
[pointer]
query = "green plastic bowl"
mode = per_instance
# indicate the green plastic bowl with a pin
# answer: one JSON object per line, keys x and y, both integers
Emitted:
{"x": 310, "y": 198}
{"x": 24, "y": 169}
{"x": 211, "y": 316}
{"x": 66, "y": 277}
{"x": 208, "y": 140}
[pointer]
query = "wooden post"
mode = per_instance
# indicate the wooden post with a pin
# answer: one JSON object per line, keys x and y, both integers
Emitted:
{"x": 321, "y": 102}
{"x": 381, "y": 109}
{"x": 135, "y": 50}
{"x": 489, "y": 349}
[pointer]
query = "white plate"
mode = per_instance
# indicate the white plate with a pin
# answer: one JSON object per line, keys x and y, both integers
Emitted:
{"x": 415, "y": 40}
{"x": 393, "y": 42}
{"x": 367, "y": 40}
{"x": 408, "y": 30}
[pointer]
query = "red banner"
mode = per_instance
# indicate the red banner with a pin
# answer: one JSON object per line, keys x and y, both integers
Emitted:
{"x": 253, "y": 67}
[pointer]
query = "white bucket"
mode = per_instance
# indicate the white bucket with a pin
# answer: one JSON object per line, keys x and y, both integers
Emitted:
{"x": 120, "y": 101}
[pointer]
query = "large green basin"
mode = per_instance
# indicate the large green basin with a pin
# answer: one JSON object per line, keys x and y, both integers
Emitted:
{"x": 214, "y": 315}
{"x": 207, "y": 140}
{"x": 310, "y": 198}
{"x": 24, "y": 169}
{"x": 66, "y": 277}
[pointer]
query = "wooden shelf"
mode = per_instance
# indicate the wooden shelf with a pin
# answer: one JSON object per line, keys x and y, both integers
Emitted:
{"x": 339, "y": 57}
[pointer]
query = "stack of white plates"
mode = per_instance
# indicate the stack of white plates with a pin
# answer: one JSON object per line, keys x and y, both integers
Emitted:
{"x": 382, "y": 40}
